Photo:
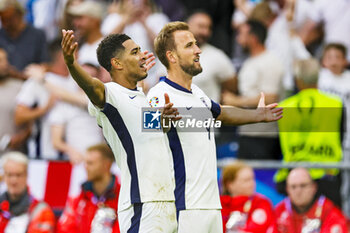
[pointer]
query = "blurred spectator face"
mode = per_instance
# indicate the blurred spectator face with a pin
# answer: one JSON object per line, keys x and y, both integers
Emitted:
{"x": 300, "y": 188}
{"x": 95, "y": 165}
{"x": 187, "y": 52}
{"x": 15, "y": 174}
{"x": 200, "y": 25}
{"x": 92, "y": 70}
{"x": 104, "y": 76}
{"x": 137, "y": 3}
{"x": 334, "y": 60}
{"x": 10, "y": 19}
{"x": 85, "y": 25}
{"x": 244, "y": 37}
{"x": 3, "y": 64}
{"x": 244, "y": 184}
{"x": 97, "y": 72}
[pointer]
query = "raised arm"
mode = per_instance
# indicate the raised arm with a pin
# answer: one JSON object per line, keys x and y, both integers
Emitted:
{"x": 93, "y": 87}
{"x": 238, "y": 116}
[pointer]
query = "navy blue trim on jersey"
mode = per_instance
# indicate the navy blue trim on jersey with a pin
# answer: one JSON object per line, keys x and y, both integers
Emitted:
{"x": 38, "y": 154}
{"x": 174, "y": 85}
{"x": 37, "y": 138}
{"x": 215, "y": 109}
{"x": 179, "y": 168}
{"x": 136, "y": 219}
{"x": 120, "y": 128}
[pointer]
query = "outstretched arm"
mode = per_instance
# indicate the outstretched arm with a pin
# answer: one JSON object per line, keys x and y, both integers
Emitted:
{"x": 238, "y": 116}
{"x": 93, "y": 87}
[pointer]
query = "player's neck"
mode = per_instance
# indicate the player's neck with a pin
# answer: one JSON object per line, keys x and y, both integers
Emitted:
{"x": 101, "y": 185}
{"x": 180, "y": 77}
{"x": 124, "y": 81}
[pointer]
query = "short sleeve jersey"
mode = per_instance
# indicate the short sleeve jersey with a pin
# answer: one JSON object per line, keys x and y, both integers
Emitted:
{"x": 194, "y": 153}
{"x": 143, "y": 157}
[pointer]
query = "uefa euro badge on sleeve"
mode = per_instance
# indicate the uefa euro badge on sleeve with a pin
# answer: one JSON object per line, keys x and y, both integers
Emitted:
{"x": 103, "y": 220}
{"x": 311, "y": 226}
{"x": 236, "y": 221}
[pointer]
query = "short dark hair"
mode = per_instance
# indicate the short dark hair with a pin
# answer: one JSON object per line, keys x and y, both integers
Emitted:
{"x": 197, "y": 11}
{"x": 110, "y": 47}
{"x": 54, "y": 48}
{"x": 337, "y": 46}
{"x": 104, "y": 149}
{"x": 258, "y": 29}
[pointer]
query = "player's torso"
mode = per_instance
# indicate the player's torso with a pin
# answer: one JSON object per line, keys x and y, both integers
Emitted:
{"x": 144, "y": 157}
{"x": 197, "y": 146}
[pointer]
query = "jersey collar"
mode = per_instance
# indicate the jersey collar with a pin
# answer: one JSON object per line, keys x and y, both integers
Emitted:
{"x": 173, "y": 84}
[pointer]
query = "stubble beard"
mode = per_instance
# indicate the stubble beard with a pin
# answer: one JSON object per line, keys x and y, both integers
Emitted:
{"x": 139, "y": 77}
{"x": 191, "y": 69}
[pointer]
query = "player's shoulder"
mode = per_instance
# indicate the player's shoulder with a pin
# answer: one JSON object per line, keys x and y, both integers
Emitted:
{"x": 155, "y": 95}
{"x": 199, "y": 92}
{"x": 196, "y": 89}
{"x": 159, "y": 88}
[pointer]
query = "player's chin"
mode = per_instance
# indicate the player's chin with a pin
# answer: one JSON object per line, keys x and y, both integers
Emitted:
{"x": 143, "y": 76}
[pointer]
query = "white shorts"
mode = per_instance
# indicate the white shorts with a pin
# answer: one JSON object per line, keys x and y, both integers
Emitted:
{"x": 150, "y": 217}
{"x": 200, "y": 221}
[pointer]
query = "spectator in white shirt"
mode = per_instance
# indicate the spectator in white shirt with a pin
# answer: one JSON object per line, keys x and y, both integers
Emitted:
{"x": 141, "y": 20}
{"x": 218, "y": 71}
{"x": 335, "y": 17}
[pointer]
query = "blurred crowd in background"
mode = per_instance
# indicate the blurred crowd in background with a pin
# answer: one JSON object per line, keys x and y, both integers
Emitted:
{"x": 295, "y": 51}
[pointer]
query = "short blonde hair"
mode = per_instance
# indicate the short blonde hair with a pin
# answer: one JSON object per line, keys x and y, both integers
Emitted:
{"x": 307, "y": 70}
{"x": 104, "y": 150}
{"x": 262, "y": 12}
{"x": 165, "y": 40}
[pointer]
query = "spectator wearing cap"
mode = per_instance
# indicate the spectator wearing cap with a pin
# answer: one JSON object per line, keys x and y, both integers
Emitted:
{"x": 23, "y": 43}
{"x": 87, "y": 17}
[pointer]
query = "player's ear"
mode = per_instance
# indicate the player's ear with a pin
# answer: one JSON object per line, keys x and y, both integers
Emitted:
{"x": 171, "y": 56}
{"x": 116, "y": 63}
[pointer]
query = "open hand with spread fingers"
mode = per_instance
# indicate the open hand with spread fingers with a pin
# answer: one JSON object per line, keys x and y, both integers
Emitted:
{"x": 68, "y": 46}
{"x": 149, "y": 59}
{"x": 269, "y": 112}
{"x": 169, "y": 113}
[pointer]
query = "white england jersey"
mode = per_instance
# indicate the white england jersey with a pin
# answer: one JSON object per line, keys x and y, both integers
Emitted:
{"x": 194, "y": 153}
{"x": 143, "y": 157}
